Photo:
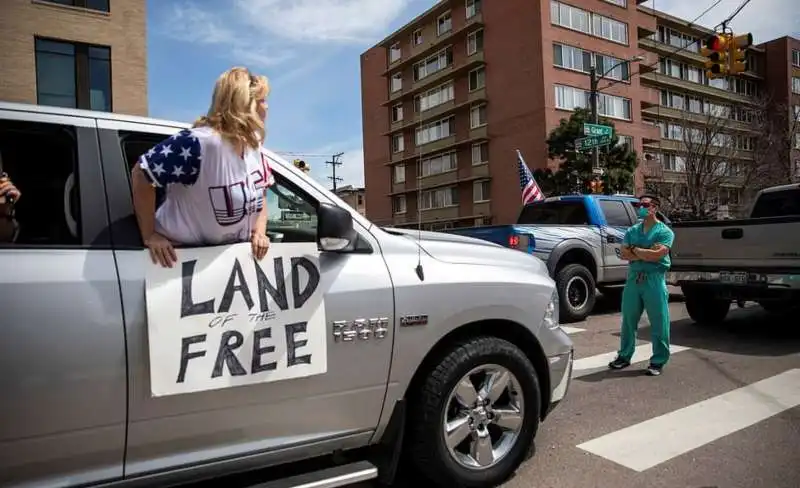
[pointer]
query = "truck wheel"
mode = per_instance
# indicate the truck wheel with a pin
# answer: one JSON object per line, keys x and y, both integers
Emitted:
{"x": 706, "y": 310}
{"x": 576, "y": 292}
{"x": 474, "y": 421}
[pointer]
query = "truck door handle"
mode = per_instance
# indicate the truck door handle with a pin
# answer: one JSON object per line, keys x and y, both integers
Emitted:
{"x": 612, "y": 240}
{"x": 735, "y": 233}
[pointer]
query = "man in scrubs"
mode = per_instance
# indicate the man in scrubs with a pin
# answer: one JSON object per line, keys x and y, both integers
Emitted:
{"x": 646, "y": 246}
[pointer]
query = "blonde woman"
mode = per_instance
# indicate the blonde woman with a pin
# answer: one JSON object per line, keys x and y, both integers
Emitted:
{"x": 214, "y": 176}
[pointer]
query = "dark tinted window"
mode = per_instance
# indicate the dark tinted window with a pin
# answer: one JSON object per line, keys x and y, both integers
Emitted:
{"x": 73, "y": 75}
{"x": 101, "y": 5}
{"x": 615, "y": 212}
{"x": 558, "y": 212}
{"x": 777, "y": 203}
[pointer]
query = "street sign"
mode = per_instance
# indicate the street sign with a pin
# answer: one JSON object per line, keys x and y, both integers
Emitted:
{"x": 597, "y": 130}
{"x": 592, "y": 142}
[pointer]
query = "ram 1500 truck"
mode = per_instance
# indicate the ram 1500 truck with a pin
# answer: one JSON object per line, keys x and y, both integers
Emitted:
{"x": 443, "y": 348}
{"x": 754, "y": 259}
{"x": 578, "y": 236}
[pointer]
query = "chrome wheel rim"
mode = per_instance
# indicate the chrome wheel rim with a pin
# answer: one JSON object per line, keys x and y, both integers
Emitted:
{"x": 483, "y": 417}
{"x": 577, "y": 292}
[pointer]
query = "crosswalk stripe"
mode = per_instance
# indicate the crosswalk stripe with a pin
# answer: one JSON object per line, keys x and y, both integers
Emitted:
{"x": 652, "y": 442}
{"x": 593, "y": 364}
{"x": 571, "y": 330}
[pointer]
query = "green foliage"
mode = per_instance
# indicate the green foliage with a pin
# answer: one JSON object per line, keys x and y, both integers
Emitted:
{"x": 575, "y": 171}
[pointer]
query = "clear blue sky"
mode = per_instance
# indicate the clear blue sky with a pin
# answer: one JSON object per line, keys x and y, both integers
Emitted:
{"x": 310, "y": 51}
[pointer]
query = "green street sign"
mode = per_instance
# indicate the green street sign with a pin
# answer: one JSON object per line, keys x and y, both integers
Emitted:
{"x": 597, "y": 130}
{"x": 592, "y": 142}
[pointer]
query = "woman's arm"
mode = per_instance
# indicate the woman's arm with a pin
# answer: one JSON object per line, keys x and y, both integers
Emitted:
{"x": 260, "y": 226}
{"x": 144, "y": 202}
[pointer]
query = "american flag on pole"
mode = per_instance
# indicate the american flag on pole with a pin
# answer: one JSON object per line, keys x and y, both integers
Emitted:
{"x": 530, "y": 190}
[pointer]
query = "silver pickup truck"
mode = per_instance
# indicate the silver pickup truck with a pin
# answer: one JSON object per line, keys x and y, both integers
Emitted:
{"x": 755, "y": 259}
{"x": 469, "y": 361}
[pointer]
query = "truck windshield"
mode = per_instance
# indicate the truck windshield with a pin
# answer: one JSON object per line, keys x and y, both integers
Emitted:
{"x": 777, "y": 204}
{"x": 570, "y": 212}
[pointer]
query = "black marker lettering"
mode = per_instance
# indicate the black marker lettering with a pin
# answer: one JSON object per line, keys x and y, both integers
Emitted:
{"x": 186, "y": 342}
{"x": 292, "y": 344}
{"x": 277, "y": 292}
{"x": 258, "y": 350}
{"x": 236, "y": 283}
{"x": 225, "y": 354}
{"x": 188, "y": 307}
{"x": 300, "y": 297}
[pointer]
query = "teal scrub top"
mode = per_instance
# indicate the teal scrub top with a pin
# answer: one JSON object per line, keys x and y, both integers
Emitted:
{"x": 660, "y": 233}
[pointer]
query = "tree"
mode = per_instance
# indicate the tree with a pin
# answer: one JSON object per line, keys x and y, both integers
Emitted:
{"x": 702, "y": 170}
{"x": 776, "y": 127}
{"x": 575, "y": 171}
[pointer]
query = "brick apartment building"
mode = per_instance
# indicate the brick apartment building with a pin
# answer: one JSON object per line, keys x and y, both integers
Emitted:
{"x": 89, "y": 54}
{"x": 354, "y": 196}
{"x": 447, "y": 98}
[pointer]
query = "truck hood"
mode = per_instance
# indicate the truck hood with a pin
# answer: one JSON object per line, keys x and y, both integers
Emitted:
{"x": 455, "y": 249}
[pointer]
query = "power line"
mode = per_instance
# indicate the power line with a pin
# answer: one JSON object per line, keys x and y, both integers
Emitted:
{"x": 334, "y": 163}
{"x": 302, "y": 154}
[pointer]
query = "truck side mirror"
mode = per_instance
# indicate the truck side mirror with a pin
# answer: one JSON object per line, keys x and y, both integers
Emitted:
{"x": 335, "y": 232}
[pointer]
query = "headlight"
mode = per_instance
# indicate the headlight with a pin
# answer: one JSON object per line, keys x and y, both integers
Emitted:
{"x": 551, "y": 312}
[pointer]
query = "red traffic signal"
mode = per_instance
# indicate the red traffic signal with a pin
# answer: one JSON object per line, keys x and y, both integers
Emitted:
{"x": 718, "y": 42}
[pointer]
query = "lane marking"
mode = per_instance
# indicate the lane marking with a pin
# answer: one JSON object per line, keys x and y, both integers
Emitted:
{"x": 571, "y": 330}
{"x": 594, "y": 364}
{"x": 654, "y": 441}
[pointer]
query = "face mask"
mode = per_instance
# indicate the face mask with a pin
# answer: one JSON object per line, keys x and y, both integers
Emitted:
{"x": 643, "y": 213}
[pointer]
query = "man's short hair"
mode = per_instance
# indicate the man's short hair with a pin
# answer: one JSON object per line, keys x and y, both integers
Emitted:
{"x": 652, "y": 198}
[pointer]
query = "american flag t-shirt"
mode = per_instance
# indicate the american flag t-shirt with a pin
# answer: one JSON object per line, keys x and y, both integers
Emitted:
{"x": 530, "y": 190}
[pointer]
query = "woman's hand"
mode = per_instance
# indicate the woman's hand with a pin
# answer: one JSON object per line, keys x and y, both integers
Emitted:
{"x": 7, "y": 189}
{"x": 161, "y": 250}
{"x": 260, "y": 245}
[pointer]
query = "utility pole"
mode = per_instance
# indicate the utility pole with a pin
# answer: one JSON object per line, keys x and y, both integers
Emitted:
{"x": 334, "y": 163}
{"x": 593, "y": 82}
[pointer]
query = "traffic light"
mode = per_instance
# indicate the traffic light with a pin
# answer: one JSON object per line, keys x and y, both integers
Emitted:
{"x": 737, "y": 57}
{"x": 717, "y": 50}
{"x": 596, "y": 186}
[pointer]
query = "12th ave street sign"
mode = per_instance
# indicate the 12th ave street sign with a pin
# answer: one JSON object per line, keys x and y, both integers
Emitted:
{"x": 597, "y": 130}
{"x": 592, "y": 142}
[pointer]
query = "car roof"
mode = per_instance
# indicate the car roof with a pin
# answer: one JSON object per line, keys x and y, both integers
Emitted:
{"x": 75, "y": 112}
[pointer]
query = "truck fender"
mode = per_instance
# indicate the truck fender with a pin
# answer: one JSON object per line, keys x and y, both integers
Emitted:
{"x": 586, "y": 253}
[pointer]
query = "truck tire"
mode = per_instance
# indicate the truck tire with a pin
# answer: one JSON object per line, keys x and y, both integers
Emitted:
{"x": 704, "y": 309}
{"x": 576, "y": 292}
{"x": 453, "y": 413}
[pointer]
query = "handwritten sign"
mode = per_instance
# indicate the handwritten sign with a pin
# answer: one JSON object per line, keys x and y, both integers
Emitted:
{"x": 220, "y": 319}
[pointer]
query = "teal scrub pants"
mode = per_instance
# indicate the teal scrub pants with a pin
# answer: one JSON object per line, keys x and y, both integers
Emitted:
{"x": 645, "y": 291}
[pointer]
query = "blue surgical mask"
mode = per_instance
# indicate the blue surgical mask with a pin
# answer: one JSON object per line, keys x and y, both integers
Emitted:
{"x": 643, "y": 213}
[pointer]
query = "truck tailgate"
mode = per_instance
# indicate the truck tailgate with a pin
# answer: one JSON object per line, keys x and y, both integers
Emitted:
{"x": 765, "y": 243}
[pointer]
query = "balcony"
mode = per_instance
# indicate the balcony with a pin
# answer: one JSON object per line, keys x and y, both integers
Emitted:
{"x": 439, "y": 77}
{"x": 475, "y": 136}
{"x": 658, "y": 112}
{"x": 688, "y": 86}
{"x": 673, "y": 146}
{"x": 438, "y": 111}
{"x": 670, "y": 51}
{"x": 653, "y": 170}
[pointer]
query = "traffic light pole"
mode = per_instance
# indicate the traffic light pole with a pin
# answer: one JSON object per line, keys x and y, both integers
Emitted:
{"x": 595, "y": 119}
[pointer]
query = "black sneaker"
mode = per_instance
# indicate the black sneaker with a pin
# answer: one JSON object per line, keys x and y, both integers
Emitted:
{"x": 654, "y": 370}
{"x": 619, "y": 363}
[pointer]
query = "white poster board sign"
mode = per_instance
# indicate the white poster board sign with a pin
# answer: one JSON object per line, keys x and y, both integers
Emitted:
{"x": 218, "y": 318}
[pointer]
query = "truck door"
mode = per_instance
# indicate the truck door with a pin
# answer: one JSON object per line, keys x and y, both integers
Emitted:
{"x": 618, "y": 220}
{"x": 63, "y": 389}
{"x": 277, "y": 421}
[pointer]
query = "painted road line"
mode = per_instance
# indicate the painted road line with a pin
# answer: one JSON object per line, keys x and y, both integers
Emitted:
{"x": 662, "y": 438}
{"x": 571, "y": 330}
{"x": 594, "y": 364}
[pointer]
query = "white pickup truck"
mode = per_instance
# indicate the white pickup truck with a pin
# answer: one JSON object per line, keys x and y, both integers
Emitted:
{"x": 754, "y": 259}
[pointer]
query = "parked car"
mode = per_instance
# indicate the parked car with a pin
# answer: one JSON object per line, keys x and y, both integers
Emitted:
{"x": 755, "y": 259}
{"x": 579, "y": 237}
{"x": 77, "y": 407}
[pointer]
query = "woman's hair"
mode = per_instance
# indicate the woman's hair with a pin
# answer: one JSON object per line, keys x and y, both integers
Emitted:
{"x": 233, "y": 112}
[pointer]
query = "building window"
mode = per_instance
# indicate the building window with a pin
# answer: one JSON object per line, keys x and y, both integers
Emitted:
{"x": 399, "y": 204}
{"x": 480, "y": 153}
{"x": 416, "y": 37}
{"x": 580, "y": 20}
{"x": 796, "y": 85}
{"x": 442, "y": 163}
{"x": 101, "y": 5}
{"x": 625, "y": 141}
{"x": 619, "y": 3}
{"x": 444, "y": 24}
{"x": 480, "y": 191}
{"x": 397, "y": 82}
{"x": 475, "y": 42}
{"x": 73, "y": 75}
{"x": 796, "y": 58}
{"x": 677, "y": 39}
{"x": 394, "y": 52}
{"x": 477, "y": 116}
{"x": 399, "y": 173}
{"x": 398, "y": 143}
{"x": 609, "y": 29}
{"x": 397, "y": 112}
{"x": 439, "y": 198}
{"x": 473, "y": 8}
{"x": 477, "y": 79}
{"x": 570, "y": 98}
{"x": 577, "y": 59}
{"x": 435, "y": 97}
{"x": 436, "y": 130}
{"x": 433, "y": 64}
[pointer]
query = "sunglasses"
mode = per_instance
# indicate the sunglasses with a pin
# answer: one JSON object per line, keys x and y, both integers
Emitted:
{"x": 643, "y": 204}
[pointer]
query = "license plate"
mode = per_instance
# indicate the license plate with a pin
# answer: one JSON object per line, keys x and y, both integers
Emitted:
{"x": 733, "y": 277}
